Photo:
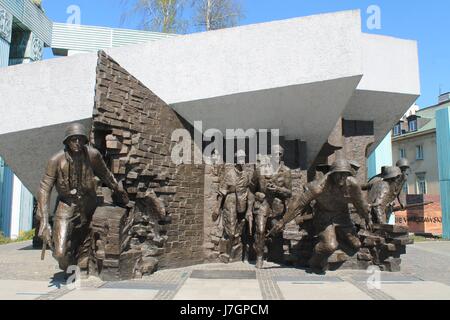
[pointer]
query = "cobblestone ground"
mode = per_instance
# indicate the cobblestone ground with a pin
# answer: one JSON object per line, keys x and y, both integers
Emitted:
{"x": 425, "y": 275}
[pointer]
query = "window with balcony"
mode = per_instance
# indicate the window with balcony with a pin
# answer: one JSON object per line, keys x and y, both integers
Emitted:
{"x": 421, "y": 183}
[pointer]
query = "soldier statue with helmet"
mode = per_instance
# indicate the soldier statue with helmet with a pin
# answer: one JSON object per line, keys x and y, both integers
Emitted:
{"x": 382, "y": 194}
{"x": 333, "y": 193}
{"x": 72, "y": 172}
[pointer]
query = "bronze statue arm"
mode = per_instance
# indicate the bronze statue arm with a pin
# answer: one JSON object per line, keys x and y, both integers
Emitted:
{"x": 250, "y": 204}
{"x": 286, "y": 191}
{"x": 44, "y": 194}
{"x": 103, "y": 172}
{"x": 218, "y": 205}
{"x": 45, "y": 190}
{"x": 402, "y": 205}
{"x": 360, "y": 203}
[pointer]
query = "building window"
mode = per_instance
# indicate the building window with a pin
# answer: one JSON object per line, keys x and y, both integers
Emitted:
{"x": 402, "y": 153}
{"x": 405, "y": 188}
{"x": 421, "y": 183}
{"x": 397, "y": 129}
{"x": 419, "y": 152}
{"x": 412, "y": 125}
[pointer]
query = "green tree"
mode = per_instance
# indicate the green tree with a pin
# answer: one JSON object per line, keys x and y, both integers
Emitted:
{"x": 157, "y": 15}
{"x": 217, "y": 14}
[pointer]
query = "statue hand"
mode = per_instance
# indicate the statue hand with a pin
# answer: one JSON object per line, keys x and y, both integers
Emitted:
{"x": 120, "y": 196}
{"x": 45, "y": 232}
{"x": 215, "y": 213}
{"x": 215, "y": 216}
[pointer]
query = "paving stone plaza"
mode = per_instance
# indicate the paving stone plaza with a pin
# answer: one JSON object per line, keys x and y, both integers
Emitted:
{"x": 425, "y": 275}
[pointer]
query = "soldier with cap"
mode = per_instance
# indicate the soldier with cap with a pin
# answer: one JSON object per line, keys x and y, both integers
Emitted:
{"x": 72, "y": 171}
{"x": 333, "y": 193}
{"x": 383, "y": 192}
{"x": 234, "y": 204}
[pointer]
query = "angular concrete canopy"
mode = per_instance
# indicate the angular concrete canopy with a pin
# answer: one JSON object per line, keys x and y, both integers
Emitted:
{"x": 37, "y": 102}
{"x": 298, "y": 75}
{"x": 390, "y": 84}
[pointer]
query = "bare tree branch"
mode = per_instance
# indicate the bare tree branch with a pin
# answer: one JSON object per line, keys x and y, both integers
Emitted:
{"x": 217, "y": 14}
{"x": 156, "y": 15}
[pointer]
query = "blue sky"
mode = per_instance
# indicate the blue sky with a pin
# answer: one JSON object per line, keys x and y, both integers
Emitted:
{"x": 424, "y": 21}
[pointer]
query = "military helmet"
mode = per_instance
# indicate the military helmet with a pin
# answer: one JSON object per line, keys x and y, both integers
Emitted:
{"x": 403, "y": 163}
{"x": 342, "y": 165}
{"x": 391, "y": 172}
{"x": 75, "y": 129}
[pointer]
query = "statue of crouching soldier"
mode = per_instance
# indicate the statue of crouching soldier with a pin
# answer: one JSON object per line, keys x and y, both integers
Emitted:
{"x": 72, "y": 171}
{"x": 332, "y": 194}
{"x": 383, "y": 193}
{"x": 234, "y": 204}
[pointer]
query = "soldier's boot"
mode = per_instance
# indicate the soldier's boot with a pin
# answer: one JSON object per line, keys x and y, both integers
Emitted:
{"x": 259, "y": 262}
{"x": 353, "y": 241}
{"x": 318, "y": 263}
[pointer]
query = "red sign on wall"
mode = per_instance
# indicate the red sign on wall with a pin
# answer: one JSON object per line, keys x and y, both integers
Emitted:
{"x": 422, "y": 219}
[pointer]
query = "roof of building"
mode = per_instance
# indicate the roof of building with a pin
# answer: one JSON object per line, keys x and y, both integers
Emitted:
{"x": 92, "y": 38}
{"x": 428, "y": 126}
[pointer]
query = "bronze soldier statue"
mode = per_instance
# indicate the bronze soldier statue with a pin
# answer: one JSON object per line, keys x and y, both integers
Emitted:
{"x": 332, "y": 194}
{"x": 234, "y": 203}
{"x": 275, "y": 182}
{"x": 403, "y": 164}
{"x": 72, "y": 171}
{"x": 383, "y": 193}
{"x": 261, "y": 211}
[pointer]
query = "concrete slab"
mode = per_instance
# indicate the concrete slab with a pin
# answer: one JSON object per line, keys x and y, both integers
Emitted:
{"x": 219, "y": 289}
{"x": 321, "y": 291}
{"x": 426, "y": 290}
{"x": 23, "y": 289}
{"x": 109, "y": 294}
{"x": 139, "y": 285}
{"x": 223, "y": 274}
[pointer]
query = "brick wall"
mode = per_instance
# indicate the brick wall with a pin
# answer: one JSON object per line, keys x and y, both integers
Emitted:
{"x": 132, "y": 127}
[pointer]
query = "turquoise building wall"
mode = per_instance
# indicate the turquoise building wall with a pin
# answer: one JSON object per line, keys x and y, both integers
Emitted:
{"x": 443, "y": 152}
{"x": 31, "y": 17}
{"x": 6, "y": 188}
{"x": 380, "y": 157}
